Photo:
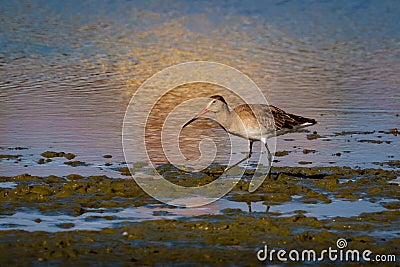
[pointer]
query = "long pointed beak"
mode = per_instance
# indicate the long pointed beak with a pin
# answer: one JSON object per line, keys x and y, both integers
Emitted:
{"x": 204, "y": 111}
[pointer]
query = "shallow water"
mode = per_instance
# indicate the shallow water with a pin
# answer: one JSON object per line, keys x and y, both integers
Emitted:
{"x": 68, "y": 71}
{"x": 103, "y": 218}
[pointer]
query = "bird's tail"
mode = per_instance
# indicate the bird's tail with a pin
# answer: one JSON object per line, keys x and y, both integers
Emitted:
{"x": 298, "y": 121}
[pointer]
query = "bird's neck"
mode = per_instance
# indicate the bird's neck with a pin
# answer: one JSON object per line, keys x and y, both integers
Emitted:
{"x": 224, "y": 117}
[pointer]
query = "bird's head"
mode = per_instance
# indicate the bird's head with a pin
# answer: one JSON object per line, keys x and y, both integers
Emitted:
{"x": 216, "y": 104}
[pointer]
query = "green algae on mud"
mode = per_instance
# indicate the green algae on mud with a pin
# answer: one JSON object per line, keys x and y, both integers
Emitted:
{"x": 7, "y": 156}
{"x": 76, "y": 163}
{"x": 313, "y": 136}
{"x": 53, "y": 154}
{"x": 72, "y": 195}
{"x": 232, "y": 238}
{"x": 307, "y": 151}
{"x": 354, "y": 132}
{"x": 229, "y": 238}
{"x": 124, "y": 171}
{"x": 281, "y": 153}
{"x": 373, "y": 141}
{"x": 57, "y": 193}
{"x": 393, "y": 131}
{"x": 390, "y": 163}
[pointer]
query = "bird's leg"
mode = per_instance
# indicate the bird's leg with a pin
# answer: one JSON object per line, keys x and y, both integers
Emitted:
{"x": 249, "y": 205}
{"x": 248, "y": 155}
{"x": 245, "y": 158}
{"x": 269, "y": 157}
{"x": 251, "y": 148}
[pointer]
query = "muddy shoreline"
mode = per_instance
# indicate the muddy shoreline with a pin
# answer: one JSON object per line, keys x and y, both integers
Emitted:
{"x": 229, "y": 237}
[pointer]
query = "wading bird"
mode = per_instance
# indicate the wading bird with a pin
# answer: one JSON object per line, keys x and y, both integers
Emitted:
{"x": 254, "y": 122}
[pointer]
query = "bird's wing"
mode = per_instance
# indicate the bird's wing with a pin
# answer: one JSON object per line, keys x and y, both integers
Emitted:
{"x": 282, "y": 119}
{"x": 268, "y": 117}
{"x": 288, "y": 120}
{"x": 255, "y": 116}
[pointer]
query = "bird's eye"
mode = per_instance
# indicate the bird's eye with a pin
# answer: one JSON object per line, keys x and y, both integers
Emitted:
{"x": 214, "y": 101}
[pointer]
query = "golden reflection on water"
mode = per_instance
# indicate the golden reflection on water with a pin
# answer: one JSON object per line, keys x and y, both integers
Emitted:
{"x": 190, "y": 137}
{"x": 69, "y": 83}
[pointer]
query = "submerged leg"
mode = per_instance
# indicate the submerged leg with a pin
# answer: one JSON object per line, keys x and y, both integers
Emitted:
{"x": 249, "y": 205}
{"x": 269, "y": 156}
{"x": 245, "y": 158}
{"x": 251, "y": 148}
{"x": 259, "y": 175}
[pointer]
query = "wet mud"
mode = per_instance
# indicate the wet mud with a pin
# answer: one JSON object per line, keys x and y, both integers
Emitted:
{"x": 230, "y": 237}
{"x": 314, "y": 135}
{"x": 53, "y": 154}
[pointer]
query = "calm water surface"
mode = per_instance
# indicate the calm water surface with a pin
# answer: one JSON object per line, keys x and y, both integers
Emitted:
{"x": 68, "y": 70}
